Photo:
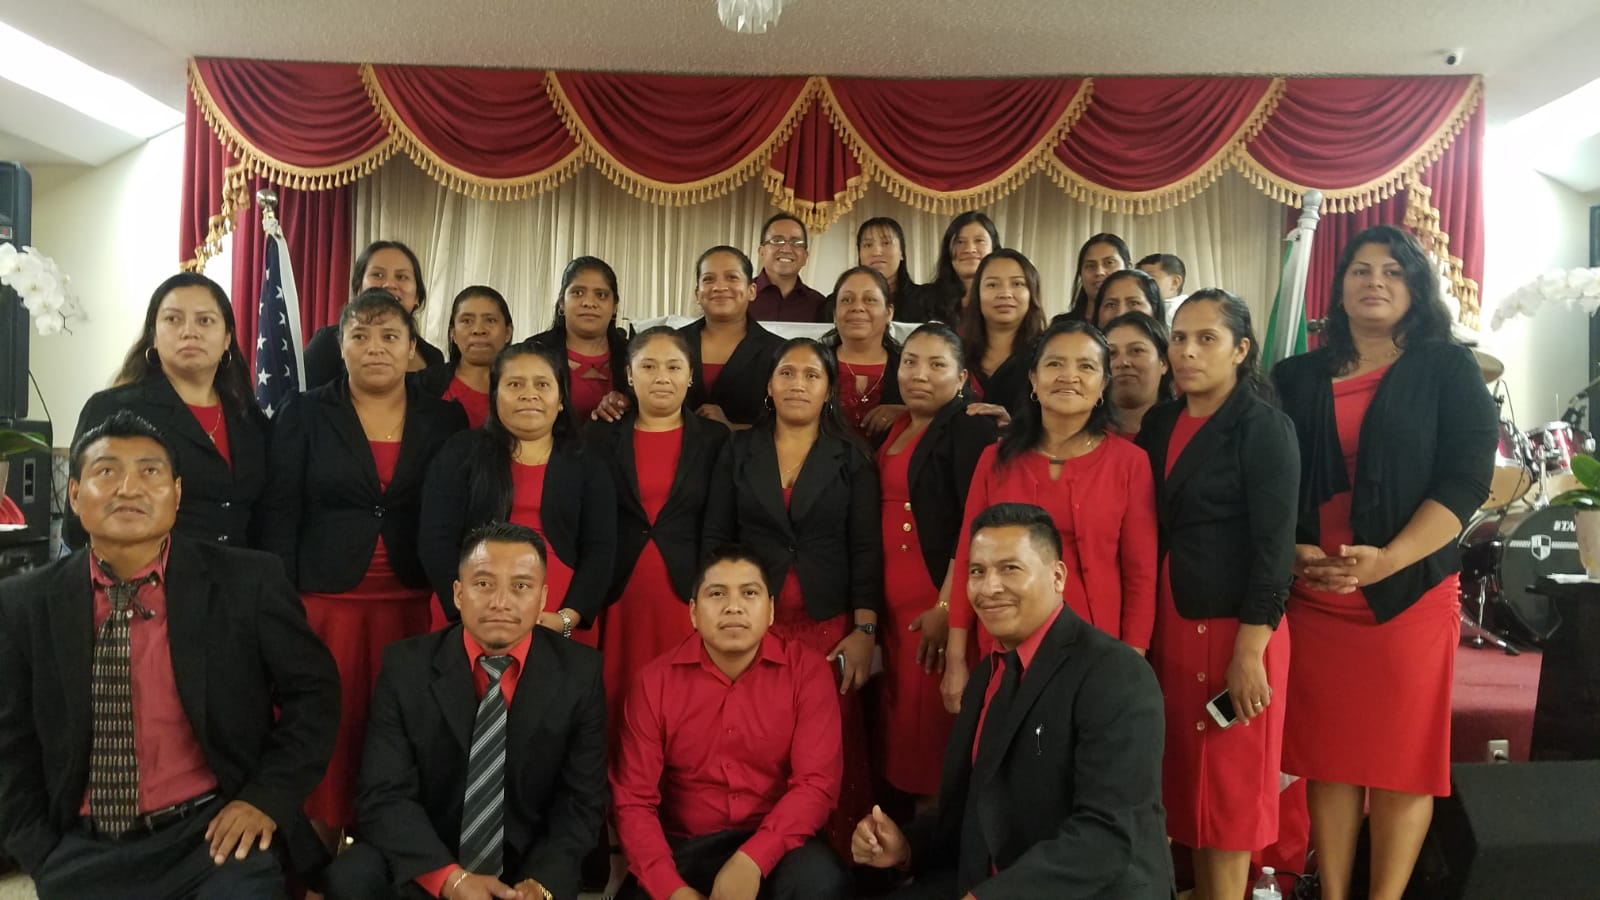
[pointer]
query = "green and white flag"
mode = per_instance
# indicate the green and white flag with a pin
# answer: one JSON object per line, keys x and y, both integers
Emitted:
{"x": 1286, "y": 328}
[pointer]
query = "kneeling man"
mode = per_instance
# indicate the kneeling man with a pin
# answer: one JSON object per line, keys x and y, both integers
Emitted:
{"x": 1052, "y": 778}
{"x": 484, "y": 773}
{"x": 730, "y": 756}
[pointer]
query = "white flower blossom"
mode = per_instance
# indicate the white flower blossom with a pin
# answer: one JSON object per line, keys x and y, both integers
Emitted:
{"x": 1571, "y": 288}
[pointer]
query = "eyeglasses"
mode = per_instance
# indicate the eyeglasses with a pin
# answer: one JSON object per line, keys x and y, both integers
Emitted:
{"x": 797, "y": 243}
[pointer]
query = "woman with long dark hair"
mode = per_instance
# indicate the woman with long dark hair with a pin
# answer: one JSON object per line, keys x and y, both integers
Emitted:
{"x": 1060, "y": 454}
{"x": 1397, "y": 433}
{"x": 185, "y": 376}
{"x": 1226, "y": 469}
{"x": 527, "y": 466}
{"x": 730, "y": 354}
{"x": 1126, "y": 291}
{"x": 801, "y": 491}
{"x": 869, "y": 393}
{"x": 480, "y": 327}
{"x": 1099, "y": 256}
{"x": 881, "y": 244}
{"x": 1002, "y": 322}
{"x": 584, "y": 329}
{"x": 925, "y": 467}
{"x": 341, "y": 510}
{"x": 1140, "y": 374}
{"x": 967, "y": 240}
{"x": 389, "y": 266}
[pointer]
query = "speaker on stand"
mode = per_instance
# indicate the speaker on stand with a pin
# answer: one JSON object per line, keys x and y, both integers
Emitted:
{"x": 16, "y": 227}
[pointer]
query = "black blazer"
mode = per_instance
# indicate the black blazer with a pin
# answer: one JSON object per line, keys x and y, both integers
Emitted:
{"x": 219, "y": 500}
{"x": 677, "y": 530}
{"x": 831, "y": 533}
{"x": 1072, "y": 805}
{"x": 1227, "y": 512}
{"x": 434, "y": 380}
{"x": 1429, "y": 434}
{"x": 1008, "y": 384}
{"x": 258, "y": 687}
{"x": 578, "y": 514}
{"x": 324, "y": 364}
{"x": 322, "y": 511}
{"x": 419, "y": 735}
{"x": 940, "y": 474}
{"x": 741, "y": 389}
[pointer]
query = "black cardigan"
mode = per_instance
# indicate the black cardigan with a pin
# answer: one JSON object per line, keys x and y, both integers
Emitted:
{"x": 219, "y": 498}
{"x": 679, "y": 526}
{"x": 940, "y": 474}
{"x": 324, "y": 364}
{"x": 1008, "y": 384}
{"x": 1227, "y": 512}
{"x": 578, "y": 516}
{"x": 741, "y": 388}
{"x": 1429, "y": 434}
{"x": 322, "y": 511}
{"x": 831, "y": 533}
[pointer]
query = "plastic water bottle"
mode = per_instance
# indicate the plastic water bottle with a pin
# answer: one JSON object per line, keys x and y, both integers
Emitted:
{"x": 1266, "y": 886}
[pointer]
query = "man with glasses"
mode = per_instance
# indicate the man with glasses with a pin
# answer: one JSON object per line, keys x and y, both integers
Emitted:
{"x": 780, "y": 294}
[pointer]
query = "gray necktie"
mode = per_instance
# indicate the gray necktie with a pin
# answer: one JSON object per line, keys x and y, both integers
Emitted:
{"x": 482, "y": 814}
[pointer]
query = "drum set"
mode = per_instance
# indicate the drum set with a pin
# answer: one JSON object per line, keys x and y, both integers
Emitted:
{"x": 1517, "y": 536}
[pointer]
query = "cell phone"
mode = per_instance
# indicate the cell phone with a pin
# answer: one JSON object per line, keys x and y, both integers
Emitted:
{"x": 1221, "y": 709}
{"x": 838, "y": 663}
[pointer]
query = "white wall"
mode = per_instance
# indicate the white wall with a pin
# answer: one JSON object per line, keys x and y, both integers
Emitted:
{"x": 1534, "y": 224}
{"x": 114, "y": 231}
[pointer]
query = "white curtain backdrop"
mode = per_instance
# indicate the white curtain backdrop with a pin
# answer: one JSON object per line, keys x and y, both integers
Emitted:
{"x": 1229, "y": 236}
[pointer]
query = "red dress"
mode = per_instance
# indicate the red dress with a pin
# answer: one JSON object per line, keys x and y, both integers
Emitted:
{"x": 1220, "y": 786}
{"x": 853, "y": 402}
{"x": 473, "y": 401}
{"x": 356, "y": 625}
{"x": 591, "y": 382}
{"x": 527, "y": 496}
{"x": 1369, "y": 704}
{"x": 911, "y": 726}
{"x": 648, "y": 619}
{"x": 792, "y": 622}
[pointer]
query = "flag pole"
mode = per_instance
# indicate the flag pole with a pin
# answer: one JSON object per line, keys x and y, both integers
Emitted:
{"x": 267, "y": 199}
{"x": 1286, "y": 329}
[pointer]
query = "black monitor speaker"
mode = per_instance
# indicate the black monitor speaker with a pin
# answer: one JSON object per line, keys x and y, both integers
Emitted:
{"x": 16, "y": 227}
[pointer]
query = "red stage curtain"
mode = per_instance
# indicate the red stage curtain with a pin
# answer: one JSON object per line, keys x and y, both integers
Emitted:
{"x": 1456, "y": 182}
{"x": 813, "y": 174}
{"x": 202, "y": 218}
{"x": 953, "y": 143}
{"x": 318, "y": 226}
{"x": 1145, "y": 144}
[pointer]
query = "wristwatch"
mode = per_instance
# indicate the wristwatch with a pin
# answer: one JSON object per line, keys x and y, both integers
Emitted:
{"x": 870, "y": 629}
{"x": 566, "y": 623}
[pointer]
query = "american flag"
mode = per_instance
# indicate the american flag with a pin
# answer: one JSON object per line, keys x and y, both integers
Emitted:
{"x": 280, "y": 369}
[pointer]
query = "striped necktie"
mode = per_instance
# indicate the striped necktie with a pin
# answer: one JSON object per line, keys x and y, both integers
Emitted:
{"x": 482, "y": 814}
{"x": 113, "y": 765}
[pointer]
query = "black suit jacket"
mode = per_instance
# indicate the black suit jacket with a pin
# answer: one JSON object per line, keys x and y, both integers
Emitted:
{"x": 258, "y": 687}
{"x": 678, "y": 528}
{"x": 323, "y": 510}
{"x": 578, "y": 514}
{"x": 219, "y": 500}
{"x": 831, "y": 533}
{"x": 940, "y": 474}
{"x": 1227, "y": 512}
{"x": 419, "y": 734}
{"x": 1070, "y": 808}
{"x": 741, "y": 389}
{"x": 1008, "y": 384}
{"x": 325, "y": 365}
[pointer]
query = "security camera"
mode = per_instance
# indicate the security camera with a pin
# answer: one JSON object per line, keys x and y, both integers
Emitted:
{"x": 1452, "y": 58}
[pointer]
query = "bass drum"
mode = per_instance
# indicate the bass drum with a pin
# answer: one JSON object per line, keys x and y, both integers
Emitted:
{"x": 1505, "y": 555}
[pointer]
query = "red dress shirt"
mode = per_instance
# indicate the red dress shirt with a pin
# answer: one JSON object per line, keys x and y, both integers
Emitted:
{"x": 433, "y": 882}
{"x": 1026, "y": 651}
{"x": 701, "y": 754}
{"x": 172, "y": 767}
{"x": 803, "y": 304}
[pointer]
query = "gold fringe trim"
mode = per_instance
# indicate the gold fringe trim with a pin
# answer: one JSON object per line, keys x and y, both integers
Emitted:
{"x": 817, "y": 215}
{"x": 1182, "y": 191}
{"x": 1383, "y": 187}
{"x": 456, "y": 179}
{"x": 942, "y": 203}
{"x": 666, "y": 193}
{"x": 1422, "y": 218}
{"x": 299, "y": 178}
{"x": 235, "y": 199}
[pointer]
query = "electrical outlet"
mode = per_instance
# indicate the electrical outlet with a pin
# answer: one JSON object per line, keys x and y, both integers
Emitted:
{"x": 1498, "y": 751}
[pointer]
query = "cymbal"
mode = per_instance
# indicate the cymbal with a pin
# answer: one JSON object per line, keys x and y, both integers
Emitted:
{"x": 1489, "y": 364}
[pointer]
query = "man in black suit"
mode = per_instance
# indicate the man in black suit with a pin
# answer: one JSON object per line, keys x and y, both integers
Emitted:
{"x": 164, "y": 708}
{"x": 448, "y": 706}
{"x": 1052, "y": 778}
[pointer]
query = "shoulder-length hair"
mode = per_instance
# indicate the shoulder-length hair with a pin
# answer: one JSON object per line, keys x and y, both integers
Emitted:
{"x": 832, "y": 420}
{"x": 1027, "y": 430}
{"x": 1080, "y": 300}
{"x": 489, "y": 462}
{"x": 358, "y": 272}
{"x": 832, "y": 338}
{"x": 1428, "y": 319}
{"x": 1156, "y": 331}
{"x": 975, "y": 330}
{"x": 902, "y": 286}
{"x": 467, "y": 293}
{"x": 232, "y": 380}
{"x": 944, "y": 272}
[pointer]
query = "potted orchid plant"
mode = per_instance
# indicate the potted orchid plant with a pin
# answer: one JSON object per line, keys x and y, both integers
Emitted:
{"x": 1574, "y": 288}
{"x": 1585, "y": 503}
{"x": 41, "y": 287}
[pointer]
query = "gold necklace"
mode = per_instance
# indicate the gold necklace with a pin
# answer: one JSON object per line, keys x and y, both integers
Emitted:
{"x": 1090, "y": 442}
{"x": 1394, "y": 353}
{"x": 860, "y": 394}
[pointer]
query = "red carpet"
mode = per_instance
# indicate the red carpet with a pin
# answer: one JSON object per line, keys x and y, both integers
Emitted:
{"x": 1494, "y": 697}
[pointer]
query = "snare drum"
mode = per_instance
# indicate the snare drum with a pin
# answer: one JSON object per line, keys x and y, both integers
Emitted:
{"x": 1551, "y": 446}
{"x": 1512, "y": 479}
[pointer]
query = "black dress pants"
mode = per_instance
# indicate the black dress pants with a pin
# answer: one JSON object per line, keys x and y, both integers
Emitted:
{"x": 808, "y": 872}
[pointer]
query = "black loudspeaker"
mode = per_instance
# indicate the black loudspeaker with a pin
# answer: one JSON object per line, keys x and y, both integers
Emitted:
{"x": 28, "y": 483}
{"x": 16, "y": 227}
{"x": 1515, "y": 830}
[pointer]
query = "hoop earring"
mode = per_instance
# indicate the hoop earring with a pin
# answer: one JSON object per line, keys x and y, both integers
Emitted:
{"x": 768, "y": 404}
{"x": 1101, "y": 402}
{"x": 227, "y": 357}
{"x": 152, "y": 360}
{"x": 1034, "y": 396}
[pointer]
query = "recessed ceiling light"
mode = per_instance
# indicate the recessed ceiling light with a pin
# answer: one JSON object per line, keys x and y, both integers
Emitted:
{"x": 45, "y": 70}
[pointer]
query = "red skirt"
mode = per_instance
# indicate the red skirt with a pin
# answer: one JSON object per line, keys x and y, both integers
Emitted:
{"x": 1220, "y": 786}
{"x": 357, "y": 625}
{"x": 645, "y": 622}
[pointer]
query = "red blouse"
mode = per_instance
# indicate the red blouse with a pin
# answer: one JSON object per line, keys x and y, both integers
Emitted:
{"x": 213, "y": 423}
{"x": 473, "y": 401}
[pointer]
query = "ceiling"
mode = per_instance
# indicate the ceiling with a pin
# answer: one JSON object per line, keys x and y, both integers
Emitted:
{"x": 146, "y": 43}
